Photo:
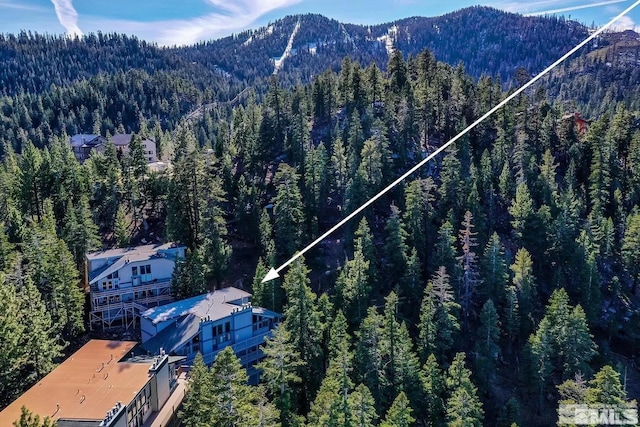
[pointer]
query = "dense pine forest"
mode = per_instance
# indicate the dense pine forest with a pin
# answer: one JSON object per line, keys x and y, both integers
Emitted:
{"x": 499, "y": 281}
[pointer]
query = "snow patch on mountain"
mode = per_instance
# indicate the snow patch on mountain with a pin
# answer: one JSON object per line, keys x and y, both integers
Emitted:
{"x": 287, "y": 51}
{"x": 389, "y": 39}
{"x": 259, "y": 35}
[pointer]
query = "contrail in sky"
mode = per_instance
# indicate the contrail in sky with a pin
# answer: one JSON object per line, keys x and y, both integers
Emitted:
{"x": 570, "y": 8}
{"x": 67, "y": 16}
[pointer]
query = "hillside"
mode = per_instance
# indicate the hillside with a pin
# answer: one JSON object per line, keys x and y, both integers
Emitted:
{"x": 485, "y": 289}
{"x": 485, "y": 40}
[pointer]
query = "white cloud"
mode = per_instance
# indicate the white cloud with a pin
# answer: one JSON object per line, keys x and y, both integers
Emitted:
{"x": 625, "y": 23}
{"x": 230, "y": 16}
{"x": 67, "y": 16}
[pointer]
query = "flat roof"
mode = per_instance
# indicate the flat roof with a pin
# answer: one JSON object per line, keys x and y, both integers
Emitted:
{"x": 214, "y": 305}
{"x": 82, "y": 387}
{"x": 137, "y": 251}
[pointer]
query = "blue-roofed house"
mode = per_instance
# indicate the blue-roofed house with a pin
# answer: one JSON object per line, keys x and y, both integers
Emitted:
{"x": 207, "y": 324}
{"x": 127, "y": 281}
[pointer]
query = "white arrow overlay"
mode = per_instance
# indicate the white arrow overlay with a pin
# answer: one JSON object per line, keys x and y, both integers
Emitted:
{"x": 274, "y": 272}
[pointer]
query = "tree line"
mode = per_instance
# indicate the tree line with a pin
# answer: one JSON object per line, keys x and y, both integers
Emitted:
{"x": 457, "y": 286}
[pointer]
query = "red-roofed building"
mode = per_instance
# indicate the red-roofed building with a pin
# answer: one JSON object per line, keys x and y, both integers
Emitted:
{"x": 100, "y": 385}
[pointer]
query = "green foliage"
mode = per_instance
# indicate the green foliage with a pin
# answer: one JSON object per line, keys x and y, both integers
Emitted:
{"x": 463, "y": 405}
{"x": 302, "y": 320}
{"x": 562, "y": 344}
{"x": 353, "y": 287}
{"x": 40, "y": 341}
{"x": 54, "y": 272}
{"x": 433, "y": 388}
{"x": 399, "y": 415}
{"x": 438, "y": 317}
{"x": 288, "y": 212}
{"x": 279, "y": 372}
{"x": 557, "y": 205}
{"x": 197, "y": 400}
{"x": 12, "y": 353}
{"x": 188, "y": 277}
{"x": 487, "y": 348}
{"x": 395, "y": 248}
{"x": 29, "y": 419}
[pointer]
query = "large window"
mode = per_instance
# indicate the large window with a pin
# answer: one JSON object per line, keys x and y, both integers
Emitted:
{"x": 138, "y": 407}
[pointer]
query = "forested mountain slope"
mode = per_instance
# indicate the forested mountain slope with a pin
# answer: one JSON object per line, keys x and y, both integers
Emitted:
{"x": 485, "y": 40}
{"x": 508, "y": 268}
{"x": 500, "y": 272}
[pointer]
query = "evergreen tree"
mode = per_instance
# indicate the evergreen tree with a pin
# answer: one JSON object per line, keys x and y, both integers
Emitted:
{"x": 401, "y": 365}
{"x": 395, "y": 248}
{"x": 399, "y": 415}
{"x": 216, "y": 252}
{"x": 445, "y": 252}
{"x": 54, "y": 272}
{"x": 331, "y": 405}
{"x": 186, "y": 201}
{"x": 509, "y": 414}
{"x": 80, "y": 232}
{"x": 631, "y": 247}
{"x": 487, "y": 348}
{"x": 470, "y": 274}
{"x": 562, "y": 344}
{"x": 433, "y": 389}
{"x": 364, "y": 243}
{"x": 369, "y": 353}
{"x": 522, "y": 211}
{"x": 198, "y": 398}
{"x": 525, "y": 285}
{"x": 7, "y": 250}
{"x": 41, "y": 343}
{"x": 12, "y": 353}
{"x": 463, "y": 405}
{"x": 29, "y": 419}
{"x": 353, "y": 287}
{"x": 188, "y": 277}
{"x": 362, "y": 407}
{"x": 451, "y": 187}
{"x": 231, "y": 401}
{"x": 438, "y": 317}
{"x": 279, "y": 372}
{"x": 606, "y": 389}
{"x": 288, "y": 212}
{"x": 266, "y": 294}
{"x": 121, "y": 230}
{"x": 494, "y": 272}
{"x": 302, "y": 320}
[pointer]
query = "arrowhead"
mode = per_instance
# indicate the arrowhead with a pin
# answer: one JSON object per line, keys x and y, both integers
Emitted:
{"x": 272, "y": 274}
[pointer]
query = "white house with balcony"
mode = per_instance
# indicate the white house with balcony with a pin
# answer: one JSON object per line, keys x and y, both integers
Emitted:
{"x": 127, "y": 281}
{"x": 207, "y": 324}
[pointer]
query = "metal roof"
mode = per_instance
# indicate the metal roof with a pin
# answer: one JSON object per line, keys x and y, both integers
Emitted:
{"x": 174, "y": 336}
{"x": 85, "y": 386}
{"x": 213, "y": 305}
{"x": 144, "y": 250}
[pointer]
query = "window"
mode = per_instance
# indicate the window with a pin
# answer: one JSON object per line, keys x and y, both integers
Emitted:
{"x": 227, "y": 327}
{"x": 134, "y": 271}
{"x": 145, "y": 269}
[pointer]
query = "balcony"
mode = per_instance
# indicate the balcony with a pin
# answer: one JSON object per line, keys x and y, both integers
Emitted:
{"x": 147, "y": 286}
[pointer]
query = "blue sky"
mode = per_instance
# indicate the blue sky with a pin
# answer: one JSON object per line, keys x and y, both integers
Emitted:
{"x": 178, "y": 22}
